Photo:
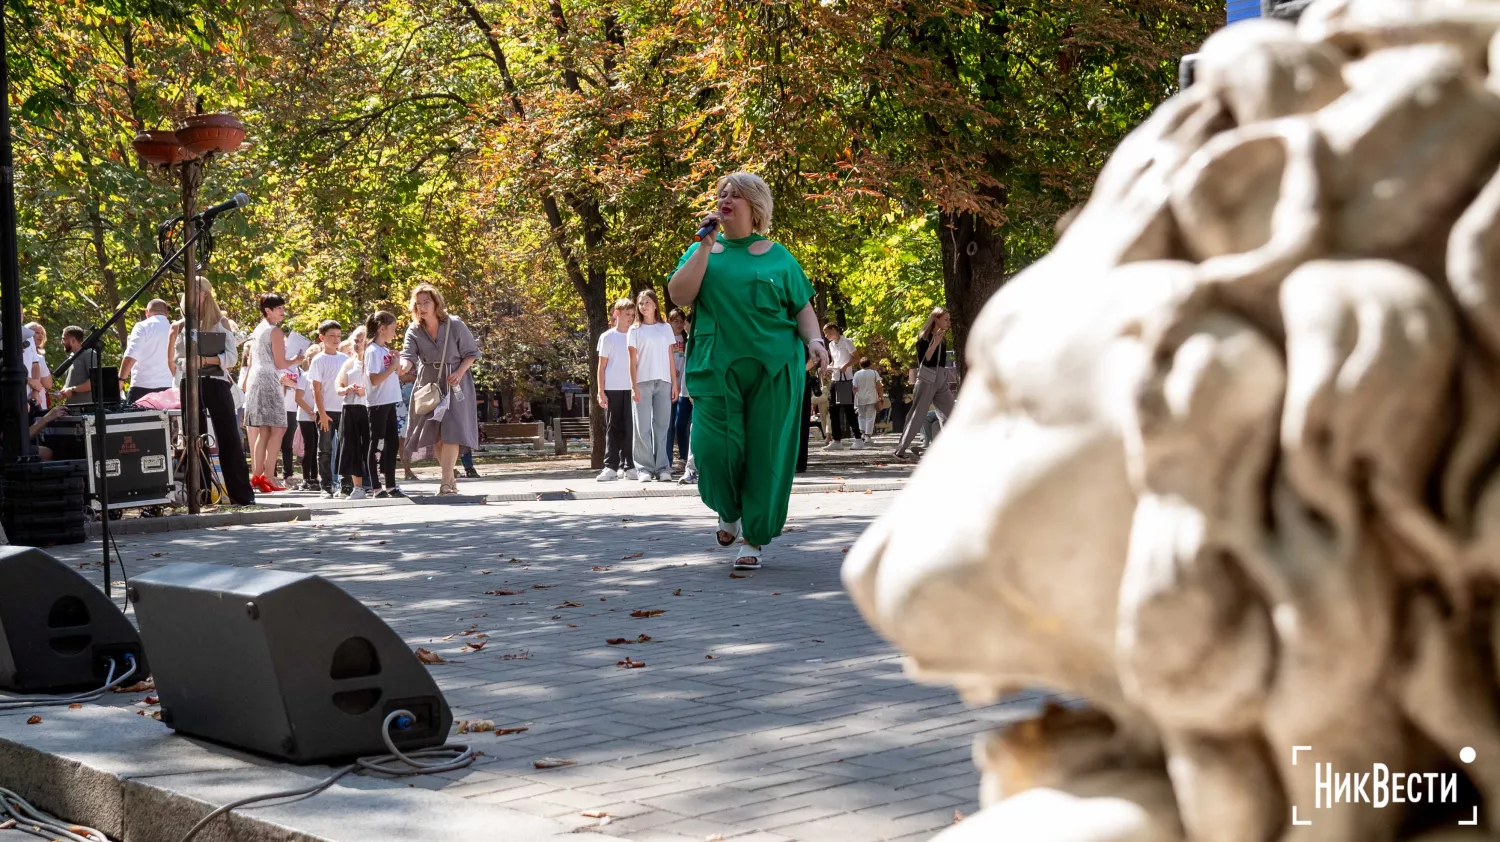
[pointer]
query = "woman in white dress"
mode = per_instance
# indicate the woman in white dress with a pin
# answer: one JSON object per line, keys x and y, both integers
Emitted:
{"x": 265, "y": 409}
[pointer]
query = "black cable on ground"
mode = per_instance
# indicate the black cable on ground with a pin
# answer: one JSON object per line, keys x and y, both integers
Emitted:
{"x": 397, "y": 764}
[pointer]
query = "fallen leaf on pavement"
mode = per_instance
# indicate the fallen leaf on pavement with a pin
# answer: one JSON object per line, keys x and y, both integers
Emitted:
{"x": 629, "y": 664}
{"x": 632, "y": 555}
{"x": 35, "y": 720}
{"x": 75, "y": 706}
{"x": 737, "y": 576}
{"x": 427, "y": 656}
{"x": 503, "y": 593}
{"x": 474, "y": 726}
{"x": 642, "y": 613}
{"x": 620, "y": 641}
{"x": 152, "y": 700}
{"x": 451, "y": 636}
{"x": 571, "y": 626}
{"x": 500, "y": 732}
{"x": 775, "y": 593}
{"x": 138, "y": 687}
{"x": 677, "y": 592}
{"x": 157, "y": 555}
{"x": 522, "y": 655}
{"x": 477, "y": 645}
{"x": 957, "y": 817}
{"x": 714, "y": 837}
{"x": 542, "y": 587}
{"x": 557, "y": 616}
{"x": 514, "y": 561}
{"x": 708, "y": 657}
{"x": 571, "y": 605}
{"x": 593, "y": 814}
{"x": 597, "y": 569}
{"x": 7, "y": 824}
{"x": 552, "y": 763}
{"x": 485, "y": 572}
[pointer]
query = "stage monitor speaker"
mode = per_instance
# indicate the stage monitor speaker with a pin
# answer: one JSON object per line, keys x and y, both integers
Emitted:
{"x": 58, "y": 631}
{"x": 285, "y": 664}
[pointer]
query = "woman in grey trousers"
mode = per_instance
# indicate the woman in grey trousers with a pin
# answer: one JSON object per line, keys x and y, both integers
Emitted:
{"x": 653, "y": 387}
{"x": 932, "y": 379}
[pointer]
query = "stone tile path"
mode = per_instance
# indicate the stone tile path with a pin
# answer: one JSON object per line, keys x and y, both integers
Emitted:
{"x": 766, "y": 709}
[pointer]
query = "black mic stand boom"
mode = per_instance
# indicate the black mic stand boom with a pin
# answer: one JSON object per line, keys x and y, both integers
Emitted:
{"x": 95, "y": 341}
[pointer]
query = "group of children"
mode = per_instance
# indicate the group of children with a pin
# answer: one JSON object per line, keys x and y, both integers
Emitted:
{"x": 641, "y": 390}
{"x": 351, "y": 410}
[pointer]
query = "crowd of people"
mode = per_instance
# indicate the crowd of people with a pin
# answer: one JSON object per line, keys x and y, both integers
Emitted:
{"x": 729, "y": 389}
{"x": 358, "y": 406}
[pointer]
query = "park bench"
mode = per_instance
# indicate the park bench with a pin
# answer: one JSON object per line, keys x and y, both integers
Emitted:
{"x": 564, "y": 429}
{"x": 533, "y": 433}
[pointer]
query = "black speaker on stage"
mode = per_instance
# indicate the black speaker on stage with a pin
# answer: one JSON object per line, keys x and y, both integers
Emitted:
{"x": 285, "y": 664}
{"x": 57, "y": 630}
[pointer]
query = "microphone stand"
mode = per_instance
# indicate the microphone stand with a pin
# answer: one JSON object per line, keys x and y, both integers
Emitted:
{"x": 95, "y": 341}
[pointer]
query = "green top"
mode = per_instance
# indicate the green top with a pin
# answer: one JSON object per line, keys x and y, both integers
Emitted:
{"x": 746, "y": 307}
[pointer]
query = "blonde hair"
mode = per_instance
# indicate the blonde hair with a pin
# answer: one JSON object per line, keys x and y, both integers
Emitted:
{"x": 439, "y": 308}
{"x": 640, "y": 315}
{"x": 623, "y": 304}
{"x": 753, "y": 189}
{"x": 356, "y": 338}
{"x": 209, "y": 316}
{"x": 937, "y": 312}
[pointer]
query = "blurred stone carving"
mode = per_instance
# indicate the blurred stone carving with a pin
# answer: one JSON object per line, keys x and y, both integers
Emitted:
{"x": 1227, "y": 461}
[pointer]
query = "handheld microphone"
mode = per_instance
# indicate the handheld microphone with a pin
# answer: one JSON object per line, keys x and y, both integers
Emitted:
{"x": 234, "y": 202}
{"x": 706, "y": 230}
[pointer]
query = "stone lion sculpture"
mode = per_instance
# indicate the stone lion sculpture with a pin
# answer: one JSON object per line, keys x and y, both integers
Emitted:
{"x": 1226, "y": 463}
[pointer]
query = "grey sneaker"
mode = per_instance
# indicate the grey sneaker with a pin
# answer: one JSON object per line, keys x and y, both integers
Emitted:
{"x": 358, "y": 493}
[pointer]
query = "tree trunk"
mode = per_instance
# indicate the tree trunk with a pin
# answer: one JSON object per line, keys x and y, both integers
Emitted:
{"x": 973, "y": 268}
{"x": 110, "y": 283}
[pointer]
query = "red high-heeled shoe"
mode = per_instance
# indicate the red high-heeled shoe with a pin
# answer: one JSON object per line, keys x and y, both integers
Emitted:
{"x": 271, "y": 486}
{"x": 259, "y": 483}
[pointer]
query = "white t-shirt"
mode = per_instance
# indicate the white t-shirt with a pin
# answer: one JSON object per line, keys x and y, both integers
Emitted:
{"x": 865, "y": 387}
{"x": 842, "y": 352}
{"x": 377, "y": 360}
{"x": 356, "y": 374}
{"x": 614, "y": 349}
{"x": 653, "y": 348}
{"x": 325, "y": 370}
{"x": 304, "y": 387}
{"x": 296, "y": 344}
{"x": 147, "y": 345}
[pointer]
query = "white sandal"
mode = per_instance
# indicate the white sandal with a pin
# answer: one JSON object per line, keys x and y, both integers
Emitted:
{"x": 730, "y": 529}
{"x": 748, "y": 559}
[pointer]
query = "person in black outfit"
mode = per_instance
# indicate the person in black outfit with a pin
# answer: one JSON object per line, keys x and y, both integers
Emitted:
{"x": 811, "y": 386}
{"x": 932, "y": 379}
{"x": 216, "y": 395}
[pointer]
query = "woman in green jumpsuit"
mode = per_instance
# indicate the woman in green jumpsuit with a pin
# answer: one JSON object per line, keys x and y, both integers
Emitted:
{"x": 752, "y": 317}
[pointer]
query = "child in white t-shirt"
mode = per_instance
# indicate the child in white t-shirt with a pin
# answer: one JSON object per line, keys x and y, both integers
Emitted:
{"x": 868, "y": 390}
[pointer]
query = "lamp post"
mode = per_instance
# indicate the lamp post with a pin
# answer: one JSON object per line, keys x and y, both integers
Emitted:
{"x": 191, "y": 147}
{"x": 12, "y": 373}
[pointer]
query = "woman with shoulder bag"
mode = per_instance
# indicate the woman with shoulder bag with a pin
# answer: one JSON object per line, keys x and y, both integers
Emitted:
{"x": 440, "y": 349}
{"x": 216, "y": 392}
{"x": 841, "y": 385}
{"x": 931, "y": 388}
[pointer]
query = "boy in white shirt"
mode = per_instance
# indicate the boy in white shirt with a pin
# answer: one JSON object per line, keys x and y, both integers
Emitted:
{"x": 614, "y": 394}
{"x": 868, "y": 390}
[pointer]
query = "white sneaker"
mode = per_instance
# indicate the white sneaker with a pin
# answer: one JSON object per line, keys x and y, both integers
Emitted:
{"x": 630, "y": 474}
{"x": 358, "y": 493}
{"x": 833, "y": 444}
{"x": 607, "y": 475}
{"x": 858, "y": 444}
{"x": 644, "y": 476}
{"x": 664, "y": 476}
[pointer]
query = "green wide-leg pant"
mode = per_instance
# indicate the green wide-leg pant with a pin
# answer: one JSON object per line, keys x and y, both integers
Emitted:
{"x": 745, "y": 445}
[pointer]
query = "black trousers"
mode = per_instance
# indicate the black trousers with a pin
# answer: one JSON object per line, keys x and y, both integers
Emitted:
{"x": 287, "y": 468}
{"x": 217, "y": 400}
{"x": 138, "y": 392}
{"x": 842, "y": 414}
{"x": 354, "y": 429}
{"x": 385, "y": 445}
{"x": 325, "y": 451}
{"x": 309, "y": 452}
{"x": 618, "y": 436}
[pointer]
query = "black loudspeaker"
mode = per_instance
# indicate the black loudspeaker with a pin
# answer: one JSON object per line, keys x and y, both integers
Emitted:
{"x": 285, "y": 664}
{"x": 57, "y": 630}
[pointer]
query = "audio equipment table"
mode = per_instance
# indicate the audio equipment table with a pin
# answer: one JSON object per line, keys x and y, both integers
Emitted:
{"x": 138, "y": 455}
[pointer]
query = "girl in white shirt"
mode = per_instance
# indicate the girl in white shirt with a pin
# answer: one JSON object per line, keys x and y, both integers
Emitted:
{"x": 653, "y": 388}
{"x": 354, "y": 426}
{"x": 382, "y": 367}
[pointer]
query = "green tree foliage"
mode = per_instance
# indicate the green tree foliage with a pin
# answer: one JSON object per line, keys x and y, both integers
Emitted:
{"x": 537, "y": 158}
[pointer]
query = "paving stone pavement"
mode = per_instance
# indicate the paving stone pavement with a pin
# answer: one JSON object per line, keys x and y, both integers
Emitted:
{"x": 767, "y": 710}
